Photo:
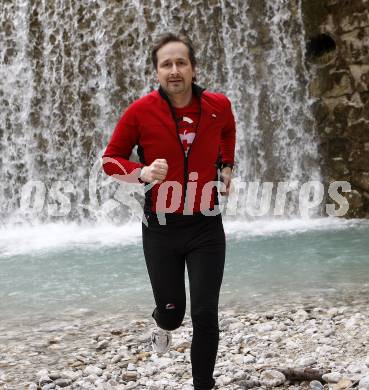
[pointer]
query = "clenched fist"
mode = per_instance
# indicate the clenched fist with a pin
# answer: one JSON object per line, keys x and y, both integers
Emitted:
{"x": 155, "y": 172}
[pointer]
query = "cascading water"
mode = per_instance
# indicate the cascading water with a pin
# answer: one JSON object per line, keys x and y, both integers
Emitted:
{"x": 68, "y": 69}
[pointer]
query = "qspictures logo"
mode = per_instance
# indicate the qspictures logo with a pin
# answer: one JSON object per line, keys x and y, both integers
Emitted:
{"x": 108, "y": 196}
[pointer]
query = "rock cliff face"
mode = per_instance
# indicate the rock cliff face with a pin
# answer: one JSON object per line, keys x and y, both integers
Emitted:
{"x": 338, "y": 55}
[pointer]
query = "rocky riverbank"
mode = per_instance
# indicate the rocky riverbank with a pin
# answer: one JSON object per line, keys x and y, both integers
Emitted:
{"x": 255, "y": 347}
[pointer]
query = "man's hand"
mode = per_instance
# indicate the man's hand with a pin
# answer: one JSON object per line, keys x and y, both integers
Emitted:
{"x": 155, "y": 172}
{"x": 226, "y": 177}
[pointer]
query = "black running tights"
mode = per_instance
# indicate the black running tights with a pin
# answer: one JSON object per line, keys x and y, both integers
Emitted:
{"x": 199, "y": 242}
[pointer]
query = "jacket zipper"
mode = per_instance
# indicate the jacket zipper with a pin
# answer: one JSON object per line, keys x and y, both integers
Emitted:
{"x": 185, "y": 155}
{"x": 189, "y": 150}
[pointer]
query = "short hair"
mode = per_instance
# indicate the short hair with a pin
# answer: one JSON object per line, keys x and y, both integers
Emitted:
{"x": 170, "y": 37}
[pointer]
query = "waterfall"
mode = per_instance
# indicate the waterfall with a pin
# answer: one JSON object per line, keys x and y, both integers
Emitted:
{"x": 69, "y": 68}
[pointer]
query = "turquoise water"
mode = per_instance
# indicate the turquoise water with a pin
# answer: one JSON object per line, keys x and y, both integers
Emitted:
{"x": 49, "y": 271}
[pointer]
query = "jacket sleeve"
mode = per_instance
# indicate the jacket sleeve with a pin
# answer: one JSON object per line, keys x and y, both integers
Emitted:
{"x": 228, "y": 137}
{"x": 116, "y": 156}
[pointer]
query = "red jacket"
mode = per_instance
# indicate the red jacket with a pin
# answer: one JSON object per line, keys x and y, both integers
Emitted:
{"x": 150, "y": 123}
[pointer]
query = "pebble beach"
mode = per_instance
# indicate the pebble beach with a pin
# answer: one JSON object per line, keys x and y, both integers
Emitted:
{"x": 256, "y": 347}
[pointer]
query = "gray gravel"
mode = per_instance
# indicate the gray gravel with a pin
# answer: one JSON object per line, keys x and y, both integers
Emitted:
{"x": 109, "y": 353}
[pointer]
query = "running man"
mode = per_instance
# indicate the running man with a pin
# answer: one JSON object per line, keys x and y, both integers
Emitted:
{"x": 185, "y": 137}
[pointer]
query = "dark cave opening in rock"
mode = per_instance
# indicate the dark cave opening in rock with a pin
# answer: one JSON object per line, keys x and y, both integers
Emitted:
{"x": 320, "y": 45}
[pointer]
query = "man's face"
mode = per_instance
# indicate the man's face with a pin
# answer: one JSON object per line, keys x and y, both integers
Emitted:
{"x": 174, "y": 69}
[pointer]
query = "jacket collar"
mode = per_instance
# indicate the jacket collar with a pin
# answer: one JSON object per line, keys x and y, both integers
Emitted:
{"x": 196, "y": 90}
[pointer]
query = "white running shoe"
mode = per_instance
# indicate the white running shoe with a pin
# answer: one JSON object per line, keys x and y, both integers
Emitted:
{"x": 161, "y": 340}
